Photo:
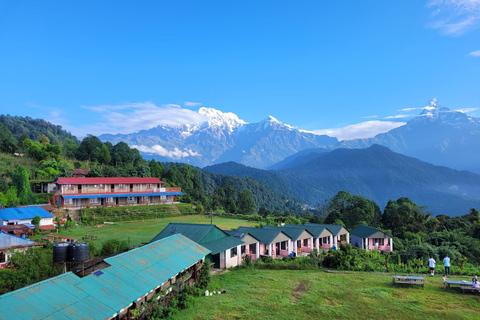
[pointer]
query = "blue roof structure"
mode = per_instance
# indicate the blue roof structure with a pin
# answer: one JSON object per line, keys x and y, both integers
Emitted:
{"x": 10, "y": 241}
{"x": 131, "y": 276}
{"x": 121, "y": 195}
{"x": 23, "y": 213}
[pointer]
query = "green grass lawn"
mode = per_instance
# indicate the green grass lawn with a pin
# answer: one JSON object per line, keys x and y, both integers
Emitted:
{"x": 143, "y": 231}
{"x": 267, "y": 294}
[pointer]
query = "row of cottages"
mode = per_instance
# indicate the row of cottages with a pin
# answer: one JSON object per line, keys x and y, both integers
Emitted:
{"x": 129, "y": 280}
{"x": 23, "y": 216}
{"x": 225, "y": 250}
{"x": 94, "y": 192}
{"x": 369, "y": 238}
{"x": 9, "y": 244}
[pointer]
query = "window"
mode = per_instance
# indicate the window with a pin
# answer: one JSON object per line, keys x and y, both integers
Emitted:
{"x": 94, "y": 200}
{"x": 101, "y": 186}
{"x": 69, "y": 201}
{"x": 283, "y": 245}
{"x": 305, "y": 242}
{"x": 111, "y": 199}
{"x": 122, "y": 186}
{"x": 233, "y": 252}
{"x": 92, "y": 186}
{"x": 70, "y": 187}
{"x": 131, "y": 199}
{"x": 243, "y": 249}
{"x": 380, "y": 241}
{"x": 326, "y": 240}
{"x": 299, "y": 243}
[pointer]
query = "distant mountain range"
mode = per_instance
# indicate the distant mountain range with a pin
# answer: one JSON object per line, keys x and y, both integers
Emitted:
{"x": 375, "y": 173}
{"x": 438, "y": 135}
{"x": 224, "y": 137}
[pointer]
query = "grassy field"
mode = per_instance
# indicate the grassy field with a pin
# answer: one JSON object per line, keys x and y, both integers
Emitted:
{"x": 266, "y": 294}
{"x": 143, "y": 231}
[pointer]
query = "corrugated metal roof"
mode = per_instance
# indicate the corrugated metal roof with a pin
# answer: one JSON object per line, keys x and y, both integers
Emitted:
{"x": 335, "y": 229}
{"x": 127, "y": 180}
{"x": 364, "y": 231}
{"x": 293, "y": 232}
{"x": 265, "y": 236}
{"x": 131, "y": 276}
{"x": 194, "y": 231}
{"x": 238, "y": 234}
{"x": 121, "y": 195}
{"x": 316, "y": 231}
{"x": 24, "y": 213}
{"x": 9, "y": 241}
{"x": 220, "y": 245}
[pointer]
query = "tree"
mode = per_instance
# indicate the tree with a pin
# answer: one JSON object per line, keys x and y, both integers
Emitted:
{"x": 404, "y": 215}
{"x": 43, "y": 139}
{"x": 156, "y": 169}
{"x": 8, "y": 143}
{"x": 89, "y": 148}
{"x": 246, "y": 204}
{"x": 104, "y": 155}
{"x": 69, "y": 149}
{"x": 20, "y": 179}
{"x": 36, "y": 221}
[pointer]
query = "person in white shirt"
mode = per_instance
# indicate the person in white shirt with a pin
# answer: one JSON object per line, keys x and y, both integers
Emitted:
{"x": 431, "y": 264}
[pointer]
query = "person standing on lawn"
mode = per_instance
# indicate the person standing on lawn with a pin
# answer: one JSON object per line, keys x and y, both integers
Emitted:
{"x": 446, "y": 264}
{"x": 431, "y": 264}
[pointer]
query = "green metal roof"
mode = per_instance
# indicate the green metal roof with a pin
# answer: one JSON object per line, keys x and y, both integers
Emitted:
{"x": 333, "y": 228}
{"x": 265, "y": 236}
{"x": 364, "y": 231}
{"x": 199, "y": 233}
{"x": 220, "y": 245}
{"x": 293, "y": 232}
{"x": 131, "y": 276}
{"x": 238, "y": 234}
{"x": 316, "y": 231}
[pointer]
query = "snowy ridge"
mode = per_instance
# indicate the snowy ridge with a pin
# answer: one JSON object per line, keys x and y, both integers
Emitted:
{"x": 223, "y": 120}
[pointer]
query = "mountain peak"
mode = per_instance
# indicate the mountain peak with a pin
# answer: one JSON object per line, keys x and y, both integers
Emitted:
{"x": 224, "y": 120}
{"x": 272, "y": 119}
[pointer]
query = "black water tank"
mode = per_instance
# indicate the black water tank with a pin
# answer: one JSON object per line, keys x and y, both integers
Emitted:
{"x": 78, "y": 252}
{"x": 60, "y": 251}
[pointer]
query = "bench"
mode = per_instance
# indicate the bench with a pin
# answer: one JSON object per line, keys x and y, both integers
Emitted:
{"x": 408, "y": 280}
{"x": 469, "y": 288}
{"x": 458, "y": 283}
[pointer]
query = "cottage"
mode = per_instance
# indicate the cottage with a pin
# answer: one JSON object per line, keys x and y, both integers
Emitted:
{"x": 224, "y": 249}
{"x": 320, "y": 234}
{"x": 130, "y": 279}
{"x": 94, "y": 192}
{"x": 273, "y": 242}
{"x": 24, "y": 215}
{"x": 370, "y": 238}
{"x": 339, "y": 235}
{"x": 251, "y": 246}
{"x": 10, "y": 244}
{"x": 301, "y": 238}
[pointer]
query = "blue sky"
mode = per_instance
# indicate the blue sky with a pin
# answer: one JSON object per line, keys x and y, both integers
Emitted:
{"x": 347, "y": 66}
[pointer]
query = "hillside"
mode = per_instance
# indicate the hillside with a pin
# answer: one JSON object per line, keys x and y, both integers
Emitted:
{"x": 379, "y": 174}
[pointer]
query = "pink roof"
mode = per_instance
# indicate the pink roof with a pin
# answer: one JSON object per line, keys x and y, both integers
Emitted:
{"x": 107, "y": 180}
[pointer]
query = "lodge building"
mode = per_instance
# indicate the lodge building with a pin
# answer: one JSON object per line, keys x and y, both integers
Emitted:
{"x": 94, "y": 192}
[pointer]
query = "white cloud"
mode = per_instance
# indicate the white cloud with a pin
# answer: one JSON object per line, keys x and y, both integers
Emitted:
{"x": 455, "y": 17}
{"x": 466, "y": 110}
{"x": 407, "y": 109}
{"x": 161, "y": 151}
{"x": 399, "y": 116}
{"x": 133, "y": 117}
{"x": 475, "y": 53}
{"x": 428, "y": 108}
{"x": 369, "y": 117}
{"x": 367, "y": 129}
{"x": 191, "y": 104}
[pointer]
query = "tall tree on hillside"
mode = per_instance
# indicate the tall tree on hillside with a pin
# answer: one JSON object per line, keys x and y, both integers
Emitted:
{"x": 104, "y": 155}
{"x": 404, "y": 215}
{"x": 89, "y": 148}
{"x": 246, "y": 204}
{"x": 69, "y": 148}
{"x": 7, "y": 141}
{"x": 156, "y": 169}
{"x": 122, "y": 155}
{"x": 20, "y": 179}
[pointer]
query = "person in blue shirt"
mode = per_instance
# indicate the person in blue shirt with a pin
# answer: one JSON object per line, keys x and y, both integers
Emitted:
{"x": 446, "y": 264}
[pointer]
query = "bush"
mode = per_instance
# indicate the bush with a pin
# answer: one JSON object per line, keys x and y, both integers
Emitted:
{"x": 204, "y": 277}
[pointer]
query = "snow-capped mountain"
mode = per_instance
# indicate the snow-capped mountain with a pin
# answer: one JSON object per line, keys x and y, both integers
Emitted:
{"x": 438, "y": 135}
{"x": 223, "y": 137}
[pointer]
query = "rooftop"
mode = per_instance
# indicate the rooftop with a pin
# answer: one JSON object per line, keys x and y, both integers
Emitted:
{"x": 127, "y": 180}
{"x": 24, "y": 213}
{"x": 364, "y": 231}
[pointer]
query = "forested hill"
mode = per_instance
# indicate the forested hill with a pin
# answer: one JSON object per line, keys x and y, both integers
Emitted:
{"x": 34, "y": 128}
{"x": 380, "y": 174}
